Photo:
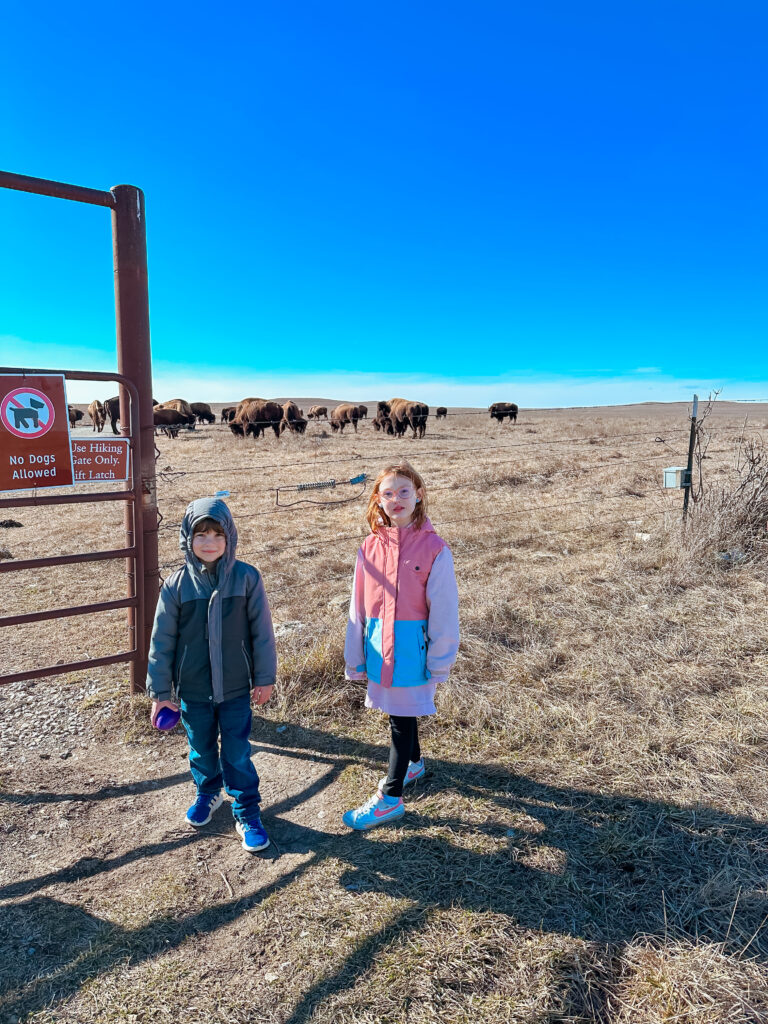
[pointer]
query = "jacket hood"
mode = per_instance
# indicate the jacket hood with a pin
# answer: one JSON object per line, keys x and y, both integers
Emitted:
{"x": 208, "y": 508}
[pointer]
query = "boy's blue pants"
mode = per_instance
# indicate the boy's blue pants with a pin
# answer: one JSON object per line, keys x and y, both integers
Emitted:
{"x": 230, "y": 721}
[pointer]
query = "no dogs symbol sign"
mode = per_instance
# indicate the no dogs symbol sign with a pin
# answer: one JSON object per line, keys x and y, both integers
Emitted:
{"x": 34, "y": 432}
{"x": 27, "y": 412}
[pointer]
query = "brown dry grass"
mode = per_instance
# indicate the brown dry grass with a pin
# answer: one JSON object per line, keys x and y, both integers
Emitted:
{"x": 591, "y": 845}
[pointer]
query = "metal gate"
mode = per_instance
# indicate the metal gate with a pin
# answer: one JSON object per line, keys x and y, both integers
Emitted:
{"x": 134, "y": 378}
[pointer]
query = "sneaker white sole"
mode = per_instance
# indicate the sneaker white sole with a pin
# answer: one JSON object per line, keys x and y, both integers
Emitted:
{"x": 250, "y": 849}
{"x": 214, "y": 807}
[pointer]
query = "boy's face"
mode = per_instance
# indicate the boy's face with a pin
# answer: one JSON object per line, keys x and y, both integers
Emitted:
{"x": 208, "y": 545}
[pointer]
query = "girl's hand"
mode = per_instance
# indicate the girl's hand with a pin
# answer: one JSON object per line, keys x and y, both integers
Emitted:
{"x": 261, "y": 694}
{"x": 158, "y": 705}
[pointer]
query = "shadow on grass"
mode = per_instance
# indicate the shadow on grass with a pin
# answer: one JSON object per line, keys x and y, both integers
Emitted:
{"x": 601, "y": 868}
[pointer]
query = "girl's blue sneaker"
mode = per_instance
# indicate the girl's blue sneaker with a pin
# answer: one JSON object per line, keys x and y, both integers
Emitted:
{"x": 376, "y": 811}
{"x": 200, "y": 812}
{"x": 254, "y": 835}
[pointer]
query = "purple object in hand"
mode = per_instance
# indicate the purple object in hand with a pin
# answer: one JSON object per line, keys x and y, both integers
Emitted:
{"x": 166, "y": 719}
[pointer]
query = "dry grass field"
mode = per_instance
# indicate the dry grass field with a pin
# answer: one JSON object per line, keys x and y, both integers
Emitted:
{"x": 591, "y": 843}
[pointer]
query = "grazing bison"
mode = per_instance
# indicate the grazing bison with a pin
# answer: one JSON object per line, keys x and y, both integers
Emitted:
{"x": 203, "y": 412}
{"x": 402, "y": 414}
{"x": 344, "y": 414}
{"x": 170, "y": 420}
{"x": 501, "y": 409}
{"x": 441, "y": 412}
{"x": 362, "y": 412}
{"x": 98, "y": 415}
{"x": 74, "y": 415}
{"x": 112, "y": 411}
{"x": 317, "y": 412}
{"x": 228, "y": 413}
{"x": 254, "y": 415}
{"x": 293, "y": 419}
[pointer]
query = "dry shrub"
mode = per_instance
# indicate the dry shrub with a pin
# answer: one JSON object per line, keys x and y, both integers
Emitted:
{"x": 733, "y": 516}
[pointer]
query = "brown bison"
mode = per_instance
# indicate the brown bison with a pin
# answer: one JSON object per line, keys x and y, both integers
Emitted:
{"x": 441, "y": 412}
{"x": 203, "y": 412}
{"x": 254, "y": 415}
{"x": 317, "y": 412}
{"x": 74, "y": 415}
{"x": 98, "y": 415}
{"x": 362, "y": 412}
{"x": 293, "y": 419}
{"x": 501, "y": 409}
{"x": 228, "y": 413}
{"x": 396, "y": 415}
{"x": 112, "y": 411}
{"x": 169, "y": 420}
{"x": 344, "y": 414}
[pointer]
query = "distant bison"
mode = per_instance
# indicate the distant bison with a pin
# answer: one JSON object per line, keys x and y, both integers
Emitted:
{"x": 170, "y": 420}
{"x": 441, "y": 412}
{"x": 228, "y": 413}
{"x": 362, "y": 412}
{"x": 74, "y": 415}
{"x": 203, "y": 412}
{"x": 344, "y": 414}
{"x": 112, "y": 411}
{"x": 254, "y": 415}
{"x": 293, "y": 419}
{"x": 397, "y": 414}
{"x": 97, "y": 414}
{"x": 501, "y": 409}
{"x": 317, "y": 412}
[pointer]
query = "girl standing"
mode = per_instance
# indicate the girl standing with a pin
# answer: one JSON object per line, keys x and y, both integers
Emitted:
{"x": 403, "y": 628}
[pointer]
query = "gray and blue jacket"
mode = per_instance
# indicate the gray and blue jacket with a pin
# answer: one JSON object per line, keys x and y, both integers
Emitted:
{"x": 212, "y": 638}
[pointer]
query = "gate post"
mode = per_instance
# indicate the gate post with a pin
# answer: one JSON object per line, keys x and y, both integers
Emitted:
{"x": 134, "y": 360}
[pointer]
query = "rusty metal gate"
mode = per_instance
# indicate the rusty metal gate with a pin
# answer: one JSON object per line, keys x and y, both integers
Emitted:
{"x": 134, "y": 378}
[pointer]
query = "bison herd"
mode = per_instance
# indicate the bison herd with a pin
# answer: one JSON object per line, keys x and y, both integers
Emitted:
{"x": 253, "y": 416}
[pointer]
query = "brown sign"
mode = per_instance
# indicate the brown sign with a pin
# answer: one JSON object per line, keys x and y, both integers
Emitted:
{"x": 100, "y": 460}
{"x": 34, "y": 432}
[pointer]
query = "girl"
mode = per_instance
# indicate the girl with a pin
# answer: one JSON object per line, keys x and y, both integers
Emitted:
{"x": 403, "y": 628}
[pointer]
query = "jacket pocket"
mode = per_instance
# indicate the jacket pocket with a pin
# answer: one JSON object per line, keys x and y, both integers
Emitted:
{"x": 248, "y": 665}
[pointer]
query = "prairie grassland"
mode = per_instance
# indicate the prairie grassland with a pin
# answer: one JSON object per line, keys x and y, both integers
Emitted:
{"x": 592, "y": 841}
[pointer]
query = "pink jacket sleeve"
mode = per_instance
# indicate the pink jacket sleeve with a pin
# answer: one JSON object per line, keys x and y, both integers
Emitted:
{"x": 354, "y": 645}
{"x": 443, "y": 625}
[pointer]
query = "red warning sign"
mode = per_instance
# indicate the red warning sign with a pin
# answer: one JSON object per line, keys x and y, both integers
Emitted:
{"x": 34, "y": 432}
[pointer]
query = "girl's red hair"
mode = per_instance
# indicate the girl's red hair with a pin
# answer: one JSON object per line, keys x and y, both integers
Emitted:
{"x": 375, "y": 514}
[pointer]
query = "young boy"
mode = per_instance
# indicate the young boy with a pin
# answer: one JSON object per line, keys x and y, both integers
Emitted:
{"x": 212, "y": 647}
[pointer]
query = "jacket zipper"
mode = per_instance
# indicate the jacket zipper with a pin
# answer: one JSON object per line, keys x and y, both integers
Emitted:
{"x": 247, "y": 663}
{"x": 181, "y": 663}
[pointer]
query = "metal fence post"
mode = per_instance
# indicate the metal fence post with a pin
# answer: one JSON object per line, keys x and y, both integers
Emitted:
{"x": 691, "y": 446}
{"x": 134, "y": 361}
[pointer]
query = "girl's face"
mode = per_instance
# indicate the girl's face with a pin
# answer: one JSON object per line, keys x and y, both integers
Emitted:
{"x": 208, "y": 545}
{"x": 398, "y": 497}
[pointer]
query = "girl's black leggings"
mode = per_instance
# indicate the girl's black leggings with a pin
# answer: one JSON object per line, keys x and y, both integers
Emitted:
{"x": 403, "y": 748}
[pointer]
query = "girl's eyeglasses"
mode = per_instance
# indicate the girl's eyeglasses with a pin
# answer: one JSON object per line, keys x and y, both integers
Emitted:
{"x": 403, "y": 494}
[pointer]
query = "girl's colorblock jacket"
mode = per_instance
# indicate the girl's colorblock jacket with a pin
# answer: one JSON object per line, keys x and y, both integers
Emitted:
{"x": 403, "y": 627}
{"x": 212, "y": 639}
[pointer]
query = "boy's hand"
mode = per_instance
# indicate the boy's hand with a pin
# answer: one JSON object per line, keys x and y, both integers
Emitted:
{"x": 261, "y": 694}
{"x": 157, "y": 705}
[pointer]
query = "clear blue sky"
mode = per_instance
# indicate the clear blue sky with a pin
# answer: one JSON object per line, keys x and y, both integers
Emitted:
{"x": 555, "y": 203}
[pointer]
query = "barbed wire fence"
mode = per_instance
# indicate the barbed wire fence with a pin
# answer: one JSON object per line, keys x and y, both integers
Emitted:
{"x": 668, "y": 443}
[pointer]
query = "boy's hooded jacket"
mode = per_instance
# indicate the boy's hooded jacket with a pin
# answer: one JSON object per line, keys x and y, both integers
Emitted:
{"x": 212, "y": 638}
{"x": 403, "y": 626}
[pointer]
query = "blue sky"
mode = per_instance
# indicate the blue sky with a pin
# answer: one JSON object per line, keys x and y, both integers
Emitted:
{"x": 558, "y": 203}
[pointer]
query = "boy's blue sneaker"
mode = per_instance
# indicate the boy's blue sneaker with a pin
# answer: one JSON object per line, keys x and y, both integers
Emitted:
{"x": 376, "y": 811}
{"x": 200, "y": 812}
{"x": 254, "y": 835}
